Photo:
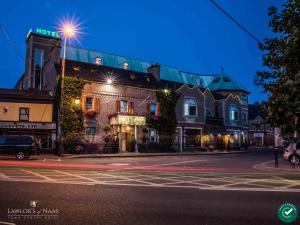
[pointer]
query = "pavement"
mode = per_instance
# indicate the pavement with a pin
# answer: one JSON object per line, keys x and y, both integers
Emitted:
{"x": 191, "y": 189}
{"x": 185, "y": 153}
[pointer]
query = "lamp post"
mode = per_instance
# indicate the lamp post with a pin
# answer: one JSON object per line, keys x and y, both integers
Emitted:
{"x": 69, "y": 31}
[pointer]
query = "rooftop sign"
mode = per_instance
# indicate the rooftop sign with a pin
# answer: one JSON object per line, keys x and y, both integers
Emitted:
{"x": 48, "y": 33}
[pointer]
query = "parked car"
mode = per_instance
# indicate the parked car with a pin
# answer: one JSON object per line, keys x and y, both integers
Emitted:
{"x": 22, "y": 146}
{"x": 289, "y": 153}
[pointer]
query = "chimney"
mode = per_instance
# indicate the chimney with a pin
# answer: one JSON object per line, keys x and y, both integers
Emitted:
{"x": 154, "y": 69}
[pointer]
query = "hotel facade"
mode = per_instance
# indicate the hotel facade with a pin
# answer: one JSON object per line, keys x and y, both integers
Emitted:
{"x": 212, "y": 111}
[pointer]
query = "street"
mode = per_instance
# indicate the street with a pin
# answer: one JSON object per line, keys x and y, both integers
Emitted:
{"x": 202, "y": 189}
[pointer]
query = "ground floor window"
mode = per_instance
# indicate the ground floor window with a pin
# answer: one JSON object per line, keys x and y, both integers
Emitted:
{"x": 90, "y": 133}
{"x": 192, "y": 138}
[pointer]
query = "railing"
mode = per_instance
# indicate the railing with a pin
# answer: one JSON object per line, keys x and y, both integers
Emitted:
{"x": 214, "y": 120}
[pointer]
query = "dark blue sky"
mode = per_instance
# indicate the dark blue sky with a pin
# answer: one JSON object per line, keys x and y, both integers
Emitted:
{"x": 190, "y": 35}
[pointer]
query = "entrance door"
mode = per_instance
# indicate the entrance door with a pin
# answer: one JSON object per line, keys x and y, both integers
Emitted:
{"x": 128, "y": 140}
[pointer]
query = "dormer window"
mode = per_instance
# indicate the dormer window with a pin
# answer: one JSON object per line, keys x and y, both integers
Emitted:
{"x": 98, "y": 61}
{"x": 125, "y": 66}
{"x": 76, "y": 68}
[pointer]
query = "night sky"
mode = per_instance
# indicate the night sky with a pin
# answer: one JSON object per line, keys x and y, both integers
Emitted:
{"x": 190, "y": 35}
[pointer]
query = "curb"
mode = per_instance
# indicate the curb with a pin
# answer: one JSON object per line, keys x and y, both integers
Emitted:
{"x": 265, "y": 167}
{"x": 132, "y": 155}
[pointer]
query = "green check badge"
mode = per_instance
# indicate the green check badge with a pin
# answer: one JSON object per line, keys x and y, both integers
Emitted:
{"x": 287, "y": 213}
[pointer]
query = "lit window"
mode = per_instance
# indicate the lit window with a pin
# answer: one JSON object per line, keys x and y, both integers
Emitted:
{"x": 152, "y": 108}
{"x": 233, "y": 113}
{"x": 88, "y": 103}
{"x": 123, "y": 106}
{"x": 125, "y": 66}
{"x": 190, "y": 107}
{"x": 98, "y": 61}
{"x": 24, "y": 114}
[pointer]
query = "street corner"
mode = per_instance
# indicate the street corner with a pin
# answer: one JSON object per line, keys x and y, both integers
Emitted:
{"x": 283, "y": 167}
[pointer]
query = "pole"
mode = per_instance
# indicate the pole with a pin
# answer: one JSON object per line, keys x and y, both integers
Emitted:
{"x": 295, "y": 141}
{"x": 61, "y": 115}
{"x": 275, "y": 148}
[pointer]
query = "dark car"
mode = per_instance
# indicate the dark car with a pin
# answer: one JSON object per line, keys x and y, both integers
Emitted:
{"x": 22, "y": 146}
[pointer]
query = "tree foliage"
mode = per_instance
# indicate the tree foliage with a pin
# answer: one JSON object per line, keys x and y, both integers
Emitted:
{"x": 166, "y": 123}
{"x": 282, "y": 58}
{"x": 72, "y": 124}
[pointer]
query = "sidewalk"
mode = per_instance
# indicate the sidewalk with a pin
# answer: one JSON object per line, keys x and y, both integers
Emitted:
{"x": 283, "y": 167}
{"x": 133, "y": 154}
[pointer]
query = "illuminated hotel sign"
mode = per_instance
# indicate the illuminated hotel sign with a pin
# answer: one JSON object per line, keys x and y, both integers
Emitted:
{"x": 47, "y": 33}
{"x": 128, "y": 120}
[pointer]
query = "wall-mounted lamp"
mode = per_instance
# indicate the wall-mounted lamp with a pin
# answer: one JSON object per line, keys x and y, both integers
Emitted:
{"x": 5, "y": 109}
{"x": 77, "y": 101}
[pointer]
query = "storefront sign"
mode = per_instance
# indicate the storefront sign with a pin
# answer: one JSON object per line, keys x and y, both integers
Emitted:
{"x": 47, "y": 33}
{"x": 23, "y": 125}
{"x": 128, "y": 120}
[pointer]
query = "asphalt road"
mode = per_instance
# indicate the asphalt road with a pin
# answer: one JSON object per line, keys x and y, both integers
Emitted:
{"x": 103, "y": 205}
{"x": 208, "y": 190}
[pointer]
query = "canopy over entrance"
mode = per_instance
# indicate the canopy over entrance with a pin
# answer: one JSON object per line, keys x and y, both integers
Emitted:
{"x": 128, "y": 120}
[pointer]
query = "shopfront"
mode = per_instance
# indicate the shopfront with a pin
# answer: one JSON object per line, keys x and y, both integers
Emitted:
{"x": 43, "y": 131}
{"x": 127, "y": 128}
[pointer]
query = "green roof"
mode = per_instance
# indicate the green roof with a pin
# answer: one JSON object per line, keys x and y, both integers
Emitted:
{"x": 166, "y": 72}
{"x": 224, "y": 83}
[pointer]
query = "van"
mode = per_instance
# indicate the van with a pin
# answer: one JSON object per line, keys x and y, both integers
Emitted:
{"x": 22, "y": 146}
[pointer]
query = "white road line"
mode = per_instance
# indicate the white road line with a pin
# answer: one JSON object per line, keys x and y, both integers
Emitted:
{"x": 122, "y": 178}
{"x": 158, "y": 165}
{"x": 78, "y": 176}
{"x": 37, "y": 174}
{"x": 6, "y": 223}
{"x": 4, "y": 177}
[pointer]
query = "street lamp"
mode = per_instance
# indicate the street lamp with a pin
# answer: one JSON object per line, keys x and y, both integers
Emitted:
{"x": 68, "y": 30}
{"x": 109, "y": 81}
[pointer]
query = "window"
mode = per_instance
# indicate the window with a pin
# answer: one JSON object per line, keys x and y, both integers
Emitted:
{"x": 24, "y": 114}
{"x": 245, "y": 118}
{"x": 98, "y": 61}
{"x": 152, "y": 108}
{"x": 88, "y": 103}
{"x": 123, "y": 106}
{"x": 244, "y": 99}
{"x": 233, "y": 114}
{"x": 90, "y": 133}
{"x": 190, "y": 107}
{"x": 125, "y": 66}
{"x": 38, "y": 64}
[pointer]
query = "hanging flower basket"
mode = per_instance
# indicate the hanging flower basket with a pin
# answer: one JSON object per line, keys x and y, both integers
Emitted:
{"x": 91, "y": 114}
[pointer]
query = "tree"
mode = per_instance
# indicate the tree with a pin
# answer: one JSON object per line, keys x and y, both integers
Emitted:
{"x": 166, "y": 122}
{"x": 282, "y": 58}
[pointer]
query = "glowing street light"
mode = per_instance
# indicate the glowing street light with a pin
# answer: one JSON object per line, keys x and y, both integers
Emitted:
{"x": 69, "y": 30}
{"x": 109, "y": 81}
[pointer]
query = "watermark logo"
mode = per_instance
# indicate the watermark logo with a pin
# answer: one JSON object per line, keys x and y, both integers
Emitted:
{"x": 33, "y": 204}
{"x": 32, "y": 212}
{"x": 287, "y": 213}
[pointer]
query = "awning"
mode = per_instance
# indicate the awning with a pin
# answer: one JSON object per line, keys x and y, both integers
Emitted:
{"x": 128, "y": 120}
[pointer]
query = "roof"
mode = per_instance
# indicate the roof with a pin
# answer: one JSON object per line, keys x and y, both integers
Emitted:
{"x": 100, "y": 73}
{"x": 223, "y": 82}
{"x": 26, "y": 94}
{"x": 168, "y": 73}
